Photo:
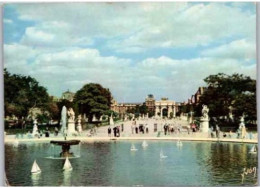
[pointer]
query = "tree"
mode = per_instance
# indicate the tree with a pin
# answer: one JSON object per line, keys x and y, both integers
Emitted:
{"x": 93, "y": 99}
{"x": 22, "y": 93}
{"x": 224, "y": 92}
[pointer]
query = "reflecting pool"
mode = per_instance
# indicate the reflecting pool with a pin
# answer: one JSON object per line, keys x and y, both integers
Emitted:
{"x": 113, "y": 164}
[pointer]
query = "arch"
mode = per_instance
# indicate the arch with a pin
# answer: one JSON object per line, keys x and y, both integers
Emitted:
{"x": 164, "y": 112}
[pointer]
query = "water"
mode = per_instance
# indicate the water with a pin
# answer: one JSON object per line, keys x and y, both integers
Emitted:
{"x": 113, "y": 164}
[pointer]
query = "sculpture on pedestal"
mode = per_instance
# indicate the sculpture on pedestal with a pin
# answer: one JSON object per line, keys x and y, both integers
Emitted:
{"x": 71, "y": 121}
{"x": 204, "y": 120}
{"x": 35, "y": 128}
{"x": 79, "y": 127}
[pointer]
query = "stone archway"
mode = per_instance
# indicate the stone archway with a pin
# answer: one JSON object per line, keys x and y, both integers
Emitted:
{"x": 163, "y": 104}
{"x": 164, "y": 112}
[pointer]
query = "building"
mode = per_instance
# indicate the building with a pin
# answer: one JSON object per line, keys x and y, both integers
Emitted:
{"x": 150, "y": 103}
{"x": 122, "y": 108}
{"x": 196, "y": 97}
{"x": 165, "y": 107}
{"x": 68, "y": 96}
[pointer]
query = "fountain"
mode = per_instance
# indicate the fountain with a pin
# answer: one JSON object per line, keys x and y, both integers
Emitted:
{"x": 65, "y": 144}
{"x": 111, "y": 121}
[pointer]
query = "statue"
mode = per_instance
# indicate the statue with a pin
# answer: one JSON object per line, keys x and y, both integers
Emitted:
{"x": 205, "y": 112}
{"x": 204, "y": 120}
{"x": 71, "y": 115}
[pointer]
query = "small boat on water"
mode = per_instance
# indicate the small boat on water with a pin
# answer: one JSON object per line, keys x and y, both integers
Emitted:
{"x": 35, "y": 168}
{"x": 162, "y": 156}
{"x": 253, "y": 150}
{"x": 67, "y": 166}
{"x": 144, "y": 144}
{"x": 179, "y": 143}
{"x": 133, "y": 148}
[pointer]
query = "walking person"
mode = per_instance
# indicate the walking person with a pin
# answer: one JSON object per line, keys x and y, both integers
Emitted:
{"x": 118, "y": 131}
{"x": 56, "y": 131}
{"x": 109, "y": 131}
{"x": 146, "y": 129}
{"x": 165, "y": 129}
{"x": 217, "y": 131}
{"x": 136, "y": 130}
{"x": 115, "y": 131}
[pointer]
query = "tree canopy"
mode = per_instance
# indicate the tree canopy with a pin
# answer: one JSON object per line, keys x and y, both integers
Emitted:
{"x": 93, "y": 99}
{"x": 225, "y": 94}
{"x": 22, "y": 93}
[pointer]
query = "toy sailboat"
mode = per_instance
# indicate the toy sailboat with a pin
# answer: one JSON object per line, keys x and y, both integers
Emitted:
{"x": 144, "y": 144}
{"x": 253, "y": 150}
{"x": 67, "y": 166}
{"x": 133, "y": 148}
{"x": 162, "y": 156}
{"x": 179, "y": 143}
{"x": 35, "y": 168}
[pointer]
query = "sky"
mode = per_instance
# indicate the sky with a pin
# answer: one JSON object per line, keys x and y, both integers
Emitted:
{"x": 134, "y": 49}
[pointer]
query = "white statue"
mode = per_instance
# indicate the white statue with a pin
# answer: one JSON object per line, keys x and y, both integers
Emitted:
{"x": 205, "y": 112}
{"x": 79, "y": 128}
{"x": 71, "y": 114}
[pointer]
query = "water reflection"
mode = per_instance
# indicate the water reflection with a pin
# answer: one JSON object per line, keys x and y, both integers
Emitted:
{"x": 36, "y": 179}
{"x": 67, "y": 178}
{"x": 113, "y": 164}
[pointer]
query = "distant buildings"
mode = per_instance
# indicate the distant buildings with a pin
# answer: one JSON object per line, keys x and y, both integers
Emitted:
{"x": 196, "y": 97}
{"x": 163, "y": 107}
{"x": 68, "y": 96}
{"x": 150, "y": 103}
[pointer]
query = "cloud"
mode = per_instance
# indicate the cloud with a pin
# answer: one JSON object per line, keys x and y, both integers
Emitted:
{"x": 162, "y": 76}
{"x": 238, "y": 49}
{"x": 63, "y": 47}
{"x": 8, "y": 21}
{"x": 136, "y": 27}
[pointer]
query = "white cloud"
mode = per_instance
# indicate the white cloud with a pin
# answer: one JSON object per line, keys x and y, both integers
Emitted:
{"x": 135, "y": 27}
{"x": 56, "y": 49}
{"x": 163, "y": 76}
{"x": 239, "y": 49}
{"x": 8, "y": 21}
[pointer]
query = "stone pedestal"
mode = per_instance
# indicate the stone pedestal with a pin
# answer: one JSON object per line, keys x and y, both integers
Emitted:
{"x": 71, "y": 127}
{"x": 204, "y": 125}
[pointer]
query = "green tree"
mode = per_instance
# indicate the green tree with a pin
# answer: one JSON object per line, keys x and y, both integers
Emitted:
{"x": 22, "y": 93}
{"x": 224, "y": 91}
{"x": 93, "y": 99}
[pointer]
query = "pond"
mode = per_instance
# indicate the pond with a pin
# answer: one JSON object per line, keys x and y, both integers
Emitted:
{"x": 113, "y": 164}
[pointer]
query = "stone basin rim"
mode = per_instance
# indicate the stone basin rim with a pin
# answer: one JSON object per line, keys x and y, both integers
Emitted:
{"x": 65, "y": 142}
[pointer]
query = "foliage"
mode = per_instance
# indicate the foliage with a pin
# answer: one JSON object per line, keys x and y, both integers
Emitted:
{"x": 22, "y": 93}
{"x": 224, "y": 92}
{"x": 93, "y": 99}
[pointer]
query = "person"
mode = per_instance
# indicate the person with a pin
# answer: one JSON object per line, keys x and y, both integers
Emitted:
{"x": 122, "y": 127}
{"x": 115, "y": 131}
{"x": 155, "y": 127}
{"x": 56, "y": 131}
{"x": 109, "y": 131}
{"x": 193, "y": 126}
{"x": 230, "y": 134}
{"x": 136, "y": 130}
{"x": 146, "y": 129}
{"x": 47, "y": 133}
{"x": 118, "y": 131}
{"x": 217, "y": 131}
{"x": 212, "y": 132}
{"x": 133, "y": 128}
{"x": 165, "y": 129}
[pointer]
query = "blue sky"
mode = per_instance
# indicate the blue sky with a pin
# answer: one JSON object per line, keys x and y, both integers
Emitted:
{"x": 134, "y": 49}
